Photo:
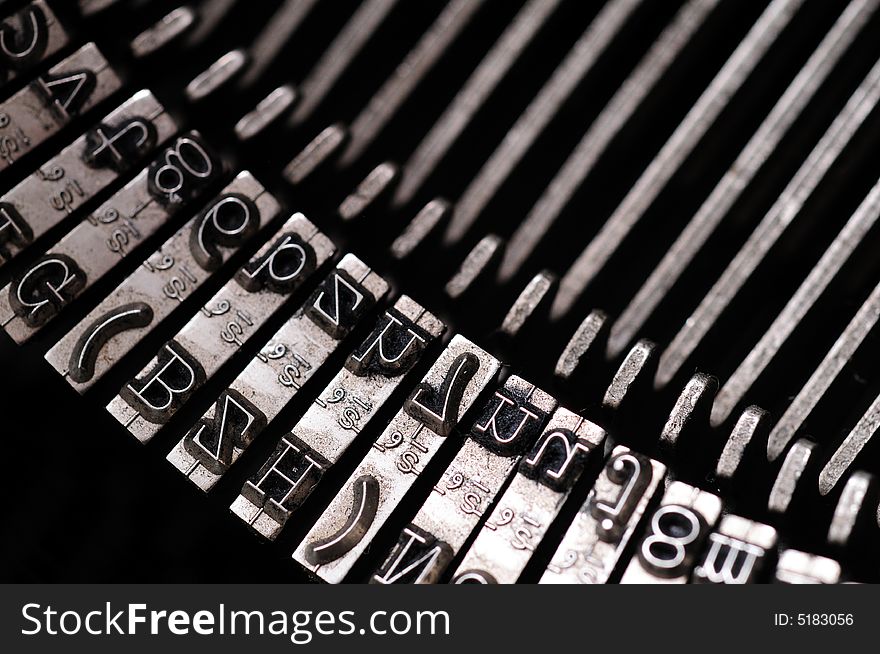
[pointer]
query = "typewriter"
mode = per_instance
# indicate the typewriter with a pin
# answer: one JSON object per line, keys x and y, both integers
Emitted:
{"x": 460, "y": 291}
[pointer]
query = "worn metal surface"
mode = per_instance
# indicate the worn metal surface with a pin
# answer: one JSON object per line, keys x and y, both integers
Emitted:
{"x": 273, "y": 377}
{"x": 38, "y": 111}
{"x": 532, "y": 501}
{"x": 399, "y": 456}
{"x": 213, "y": 335}
{"x": 58, "y": 188}
{"x": 674, "y": 536}
{"x": 164, "y": 281}
{"x": 337, "y": 416}
{"x": 593, "y": 546}
{"x": 109, "y": 234}
{"x": 507, "y": 425}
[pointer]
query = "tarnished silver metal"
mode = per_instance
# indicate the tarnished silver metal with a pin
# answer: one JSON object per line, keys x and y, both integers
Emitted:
{"x": 582, "y": 341}
{"x": 267, "y": 111}
{"x": 212, "y": 336}
{"x": 532, "y": 501}
{"x": 287, "y": 361}
{"x": 690, "y": 131}
{"x": 692, "y": 406}
{"x": 341, "y": 412}
{"x": 397, "y": 458}
{"x": 496, "y": 64}
{"x": 536, "y": 292}
{"x": 415, "y": 66}
{"x": 579, "y": 60}
{"x": 276, "y": 33}
{"x": 216, "y": 75}
{"x": 165, "y": 280}
{"x": 797, "y": 567}
{"x": 824, "y": 375}
{"x": 91, "y": 7}
{"x": 318, "y": 151}
{"x": 506, "y": 427}
{"x": 675, "y": 535}
{"x": 41, "y": 109}
{"x": 852, "y": 507}
{"x": 361, "y": 26}
{"x": 29, "y": 37}
{"x": 777, "y": 219}
{"x": 635, "y": 366}
{"x": 736, "y": 180}
{"x": 738, "y": 552}
{"x": 592, "y": 548}
{"x": 607, "y": 125}
{"x": 789, "y": 475}
{"x": 210, "y": 17}
{"x": 96, "y": 245}
{"x": 85, "y": 167}
{"x": 368, "y": 191}
{"x": 834, "y": 258}
{"x": 426, "y": 220}
{"x": 475, "y": 263}
{"x": 751, "y": 422}
{"x": 845, "y": 455}
{"x": 168, "y": 28}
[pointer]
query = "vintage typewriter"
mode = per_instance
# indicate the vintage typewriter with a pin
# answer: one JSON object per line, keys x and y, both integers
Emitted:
{"x": 461, "y": 291}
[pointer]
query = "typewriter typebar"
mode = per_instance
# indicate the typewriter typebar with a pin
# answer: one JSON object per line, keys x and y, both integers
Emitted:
{"x": 37, "y": 112}
{"x": 801, "y": 568}
{"x": 507, "y": 425}
{"x": 165, "y": 281}
{"x": 211, "y": 337}
{"x": 283, "y": 365}
{"x": 334, "y": 419}
{"x": 591, "y": 550}
{"x": 337, "y": 416}
{"x": 60, "y": 187}
{"x": 676, "y": 531}
{"x": 399, "y": 455}
{"x": 91, "y": 249}
{"x": 739, "y": 551}
{"x": 458, "y": 291}
{"x": 532, "y": 501}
